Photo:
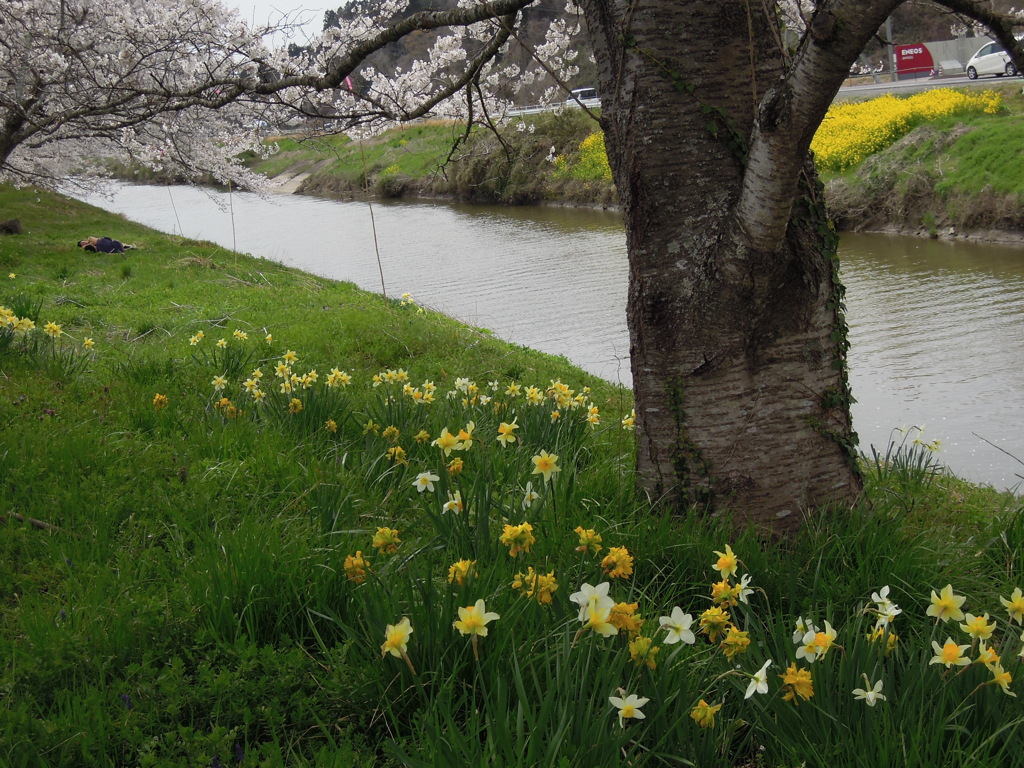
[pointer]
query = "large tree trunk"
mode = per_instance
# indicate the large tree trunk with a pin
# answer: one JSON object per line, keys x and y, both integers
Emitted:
{"x": 738, "y": 350}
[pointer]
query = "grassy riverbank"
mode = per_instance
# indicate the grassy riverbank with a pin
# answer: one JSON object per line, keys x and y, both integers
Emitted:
{"x": 952, "y": 173}
{"x": 197, "y": 576}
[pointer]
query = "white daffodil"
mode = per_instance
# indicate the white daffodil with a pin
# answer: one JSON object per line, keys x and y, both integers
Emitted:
{"x": 744, "y": 588}
{"x": 596, "y": 597}
{"x": 758, "y": 681}
{"x": 629, "y": 707}
{"x": 678, "y": 627}
{"x": 425, "y": 481}
{"x": 872, "y": 695}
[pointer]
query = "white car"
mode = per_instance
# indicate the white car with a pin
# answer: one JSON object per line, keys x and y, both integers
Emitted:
{"x": 991, "y": 59}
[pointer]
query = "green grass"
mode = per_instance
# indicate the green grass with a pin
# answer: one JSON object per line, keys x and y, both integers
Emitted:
{"x": 949, "y": 173}
{"x": 184, "y": 598}
{"x": 436, "y": 158}
{"x": 415, "y": 151}
{"x": 985, "y": 158}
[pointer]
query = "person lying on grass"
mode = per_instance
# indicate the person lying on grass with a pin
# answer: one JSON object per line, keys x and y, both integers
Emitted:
{"x": 103, "y": 245}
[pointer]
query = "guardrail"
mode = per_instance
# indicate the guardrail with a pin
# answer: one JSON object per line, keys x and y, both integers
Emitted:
{"x": 538, "y": 108}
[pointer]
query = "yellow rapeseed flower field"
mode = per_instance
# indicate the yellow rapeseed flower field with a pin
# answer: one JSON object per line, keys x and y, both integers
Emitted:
{"x": 852, "y": 131}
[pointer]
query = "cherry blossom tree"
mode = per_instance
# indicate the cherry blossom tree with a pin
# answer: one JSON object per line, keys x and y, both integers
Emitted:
{"x": 738, "y": 343}
{"x": 737, "y": 338}
{"x": 83, "y": 79}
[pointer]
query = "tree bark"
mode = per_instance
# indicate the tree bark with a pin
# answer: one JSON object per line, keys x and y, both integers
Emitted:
{"x": 737, "y": 337}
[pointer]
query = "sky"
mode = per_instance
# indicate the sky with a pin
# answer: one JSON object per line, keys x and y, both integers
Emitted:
{"x": 262, "y": 11}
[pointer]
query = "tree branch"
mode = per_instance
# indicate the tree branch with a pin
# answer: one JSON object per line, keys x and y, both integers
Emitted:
{"x": 792, "y": 110}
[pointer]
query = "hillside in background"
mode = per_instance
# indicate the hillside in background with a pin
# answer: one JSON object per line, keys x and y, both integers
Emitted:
{"x": 911, "y": 22}
{"x": 536, "y": 21}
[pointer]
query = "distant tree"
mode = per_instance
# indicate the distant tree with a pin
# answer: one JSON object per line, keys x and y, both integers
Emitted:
{"x": 81, "y": 79}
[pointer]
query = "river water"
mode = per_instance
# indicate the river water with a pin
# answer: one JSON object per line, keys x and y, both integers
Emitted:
{"x": 936, "y": 328}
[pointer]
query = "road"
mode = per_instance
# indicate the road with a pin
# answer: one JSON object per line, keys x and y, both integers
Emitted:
{"x": 868, "y": 91}
{"x": 920, "y": 84}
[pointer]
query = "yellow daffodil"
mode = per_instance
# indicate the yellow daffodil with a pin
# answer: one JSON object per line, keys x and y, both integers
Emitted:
{"x": 88, "y": 343}
{"x": 514, "y": 390}
{"x": 618, "y": 563}
{"x": 290, "y": 357}
{"x": 946, "y": 605}
{"x": 884, "y": 633}
{"x": 704, "y": 714}
{"x": 52, "y": 330}
{"x": 642, "y": 652}
{"x": 506, "y": 434}
{"x": 536, "y": 585}
{"x": 1014, "y": 606}
{"x": 987, "y": 655}
{"x": 396, "y": 641}
{"x": 735, "y": 643}
{"x": 714, "y": 622}
{"x": 624, "y": 618}
{"x": 590, "y": 540}
{"x": 797, "y": 682}
{"x": 219, "y": 382}
{"x": 950, "y": 654}
{"x": 727, "y": 564}
{"x": 545, "y": 464}
{"x": 222, "y": 343}
{"x": 722, "y": 593}
{"x": 465, "y": 437}
{"x": 460, "y": 571}
{"x": 518, "y": 538}
{"x": 597, "y": 618}
{"x": 355, "y": 567}
{"x": 629, "y": 422}
{"x": 447, "y": 442}
{"x": 473, "y": 621}
{"x": 396, "y": 638}
{"x": 240, "y": 334}
{"x": 1002, "y": 678}
{"x": 386, "y": 541}
{"x": 978, "y": 627}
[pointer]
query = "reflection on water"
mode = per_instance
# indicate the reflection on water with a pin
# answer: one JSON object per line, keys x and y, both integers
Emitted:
{"x": 937, "y": 328}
